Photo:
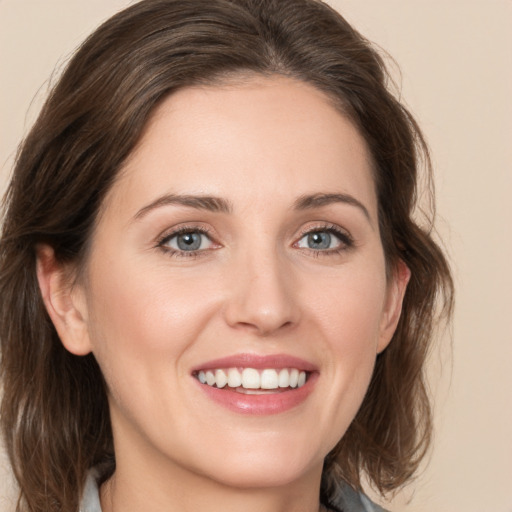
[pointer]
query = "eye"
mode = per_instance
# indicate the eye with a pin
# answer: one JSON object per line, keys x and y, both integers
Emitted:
{"x": 319, "y": 240}
{"x": 325, "y": 240}
{"x": 189, "y": 240}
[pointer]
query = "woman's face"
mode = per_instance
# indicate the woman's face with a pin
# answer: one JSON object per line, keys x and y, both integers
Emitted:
{"x": 240, "y": 244}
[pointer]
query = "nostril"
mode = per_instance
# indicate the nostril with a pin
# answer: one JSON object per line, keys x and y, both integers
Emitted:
{"x": 261, "y": 297}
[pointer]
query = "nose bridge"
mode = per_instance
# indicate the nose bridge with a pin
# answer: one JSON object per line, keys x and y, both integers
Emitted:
{"x": 261, "y": 297}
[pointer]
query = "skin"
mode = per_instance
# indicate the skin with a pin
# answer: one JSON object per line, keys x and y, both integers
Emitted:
{"x": 151, "y": 315}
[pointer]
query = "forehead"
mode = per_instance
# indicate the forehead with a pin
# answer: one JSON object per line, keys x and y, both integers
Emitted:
{"x": 253, "y": 139}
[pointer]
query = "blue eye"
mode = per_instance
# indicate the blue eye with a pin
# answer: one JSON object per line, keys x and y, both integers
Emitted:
{"x": 187, "y": 241}
{"x": 319, "y": 240}
{"x": 324, "y": 240}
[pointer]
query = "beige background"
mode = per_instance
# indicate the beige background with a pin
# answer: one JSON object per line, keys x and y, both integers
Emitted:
{"x": 456, "y": 62}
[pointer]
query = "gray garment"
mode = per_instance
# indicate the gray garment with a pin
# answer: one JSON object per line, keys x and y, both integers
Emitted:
{"x": 91, "y": 497}
{"x": 346, "y": 499}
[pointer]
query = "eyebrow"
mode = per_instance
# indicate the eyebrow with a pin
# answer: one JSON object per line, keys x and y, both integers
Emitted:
{"x": 209, "y": 203}
{"x": 220, "y": 205}
{"x": 318, "y": 200}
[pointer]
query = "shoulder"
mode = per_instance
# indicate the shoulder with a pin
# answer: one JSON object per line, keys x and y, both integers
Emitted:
{"x": 345, "y": 499}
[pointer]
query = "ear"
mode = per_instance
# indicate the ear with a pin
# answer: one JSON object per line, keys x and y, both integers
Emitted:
{"x": 64, "y": 302}
{"x": 393, "y": 308}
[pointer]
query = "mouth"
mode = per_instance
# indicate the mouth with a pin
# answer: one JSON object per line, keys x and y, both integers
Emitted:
{"x": 253, "y": 381}
{"x": 255, "y": 384}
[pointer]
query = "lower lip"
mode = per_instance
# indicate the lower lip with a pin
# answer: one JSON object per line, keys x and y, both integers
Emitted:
{"x": 271, "y": 403}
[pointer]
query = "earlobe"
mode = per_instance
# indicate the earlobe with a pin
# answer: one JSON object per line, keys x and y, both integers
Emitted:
{"x": 396, "y": 292}
{"x": 64, "y": 302}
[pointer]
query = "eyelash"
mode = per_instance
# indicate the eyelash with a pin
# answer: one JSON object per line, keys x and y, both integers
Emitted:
{"x": 183, "y": 231}
{"x": 346, "y": 241}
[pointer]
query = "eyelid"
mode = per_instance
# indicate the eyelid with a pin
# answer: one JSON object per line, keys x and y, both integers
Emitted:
{"x": 183, "y": 229}
{"x": 324, "y": 226}
{"x": 343, "y": 235}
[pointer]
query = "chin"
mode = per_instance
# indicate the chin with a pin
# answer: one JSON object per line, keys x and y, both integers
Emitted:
{"x": 272, "y": 464}
{"x": 257, "y": 475}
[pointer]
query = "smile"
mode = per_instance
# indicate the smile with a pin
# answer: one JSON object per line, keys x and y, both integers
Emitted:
{"x": 257, "y": 384}
{"x": 252, "y": 380}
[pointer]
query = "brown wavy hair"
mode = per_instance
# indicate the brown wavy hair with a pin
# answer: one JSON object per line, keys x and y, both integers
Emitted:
{"x": 54, "y": 411}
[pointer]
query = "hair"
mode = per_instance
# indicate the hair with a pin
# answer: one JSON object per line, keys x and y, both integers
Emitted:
{"x": 54, "y": 410}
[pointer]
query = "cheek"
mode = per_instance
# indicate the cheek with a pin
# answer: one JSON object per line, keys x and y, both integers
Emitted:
{"x": 361, "y": 310}
{"x": 144, "y": 322}
{"x": 141, "y": 331}
{"x": 351, "y": 307}
{"x": 349, "y": 316}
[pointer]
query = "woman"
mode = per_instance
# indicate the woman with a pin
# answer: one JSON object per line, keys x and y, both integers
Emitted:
{"x": 215, "y": 293}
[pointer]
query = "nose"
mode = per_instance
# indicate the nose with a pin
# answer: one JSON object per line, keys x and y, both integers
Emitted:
{"x": 263, "y": 295}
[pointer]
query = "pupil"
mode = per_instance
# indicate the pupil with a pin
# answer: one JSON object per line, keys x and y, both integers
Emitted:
{"x": 319, "y": 240}
{"x": 189, "y": 241}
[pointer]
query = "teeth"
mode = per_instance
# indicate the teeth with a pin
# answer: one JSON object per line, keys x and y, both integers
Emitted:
{"x": 284, "y": 378}
{"x": 269, "y": 379}
{"x": 252, "y": 379}
{"x": 294, "y": 377}
{"x": 234, "y": 378}
{"x": 210, "y": 378}
{"x": 221, "y": 378}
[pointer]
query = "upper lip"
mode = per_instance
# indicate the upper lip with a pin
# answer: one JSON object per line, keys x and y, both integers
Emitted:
{"x": 258, "y": 362}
